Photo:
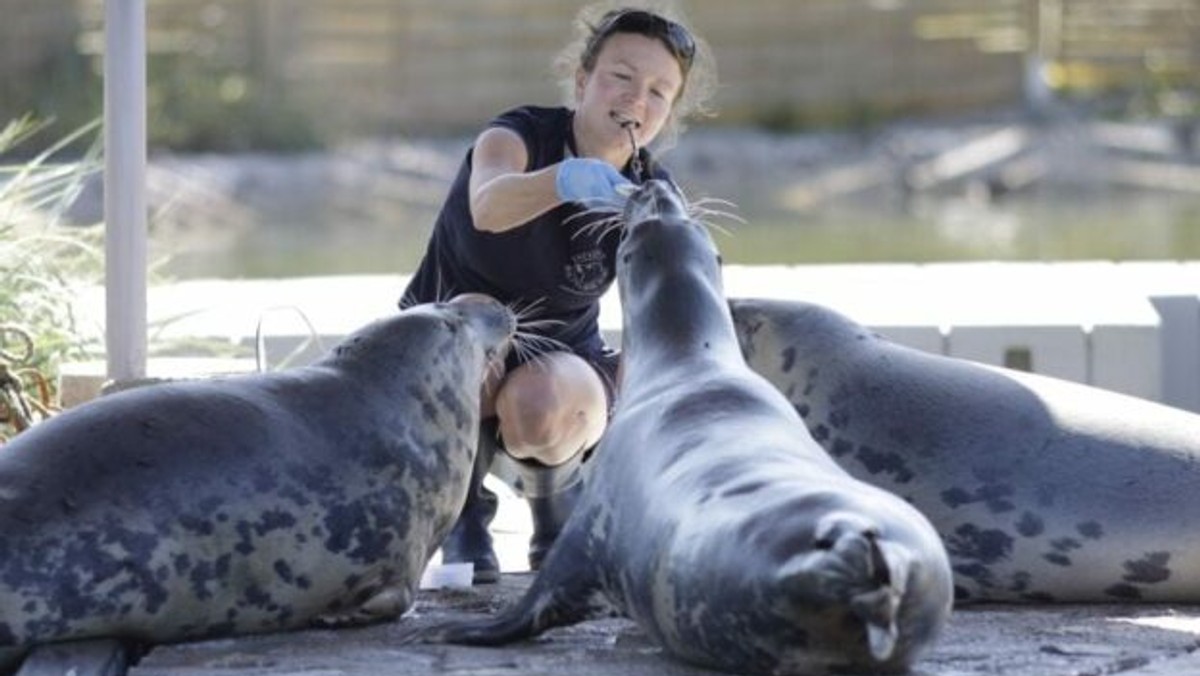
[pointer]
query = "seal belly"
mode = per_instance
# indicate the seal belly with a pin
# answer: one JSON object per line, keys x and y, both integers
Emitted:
{"x": 762, "y": 570}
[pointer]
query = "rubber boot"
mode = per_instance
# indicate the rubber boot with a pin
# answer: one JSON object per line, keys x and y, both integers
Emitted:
{"x": 552, "y": 493}
{"x": 469, "y": 540}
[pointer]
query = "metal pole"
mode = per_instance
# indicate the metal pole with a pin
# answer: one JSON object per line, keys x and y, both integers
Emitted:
{"x": 125, "y": 187}
{"x": 1039, "y": 52}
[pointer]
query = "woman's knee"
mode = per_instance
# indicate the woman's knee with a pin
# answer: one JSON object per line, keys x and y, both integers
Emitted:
{"x": 552, "y": 410}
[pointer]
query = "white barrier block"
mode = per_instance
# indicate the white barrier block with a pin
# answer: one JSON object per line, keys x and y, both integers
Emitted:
{"x": 1180, "y": 349}
{"x": 82, "y": 381}
{"x": 910, "y": 303}
{"x": 1127, "y": 359}
{"x": 1058, "y": 351}
{"x": 925, "y": 338}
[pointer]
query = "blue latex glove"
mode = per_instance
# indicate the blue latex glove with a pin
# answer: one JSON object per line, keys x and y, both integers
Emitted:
{"x": 584, "y": 179}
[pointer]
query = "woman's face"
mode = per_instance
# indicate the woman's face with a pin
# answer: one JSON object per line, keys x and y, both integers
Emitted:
{"x": 636, "y": 78}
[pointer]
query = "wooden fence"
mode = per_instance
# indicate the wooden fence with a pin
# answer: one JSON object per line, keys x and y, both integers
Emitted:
{"x": 421, "y": 66}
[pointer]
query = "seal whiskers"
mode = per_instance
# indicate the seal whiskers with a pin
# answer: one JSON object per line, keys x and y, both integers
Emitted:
{"x": 528, "y": 344}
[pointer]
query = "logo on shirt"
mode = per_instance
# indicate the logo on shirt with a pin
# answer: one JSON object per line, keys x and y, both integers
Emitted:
{"x": 586, "y": 272}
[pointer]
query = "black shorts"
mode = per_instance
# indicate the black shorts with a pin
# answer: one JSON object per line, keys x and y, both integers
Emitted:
{"x": 606, "y": 362}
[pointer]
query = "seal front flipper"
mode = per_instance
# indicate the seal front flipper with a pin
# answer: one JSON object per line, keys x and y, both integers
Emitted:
{"x": 383, "y": 605}
{"x": 565, "y": 591}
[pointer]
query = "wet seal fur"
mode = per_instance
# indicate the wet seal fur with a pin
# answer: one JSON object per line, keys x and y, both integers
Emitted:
{"x": 710, "y": 516}
{"x": 252, "y": 503}
{"x": 1043, "y": 490}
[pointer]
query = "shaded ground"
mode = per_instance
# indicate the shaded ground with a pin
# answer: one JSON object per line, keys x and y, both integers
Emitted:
{"x": 1025, "y": 641}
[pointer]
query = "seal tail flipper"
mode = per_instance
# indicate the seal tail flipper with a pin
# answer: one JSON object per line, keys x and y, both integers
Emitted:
{"x": 564, "y": 592}
{"x": 877, "y": 610}
{"x": 848, "y": 566}
{"x": 878, "y": 606}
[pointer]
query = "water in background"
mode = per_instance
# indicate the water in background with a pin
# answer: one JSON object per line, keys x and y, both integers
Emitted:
{"x": 813, "y": 199}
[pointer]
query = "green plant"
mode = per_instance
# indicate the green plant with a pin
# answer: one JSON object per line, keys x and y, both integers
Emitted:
{"x": 43, "y": 262}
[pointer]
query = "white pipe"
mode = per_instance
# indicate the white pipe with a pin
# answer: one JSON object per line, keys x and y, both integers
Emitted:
{"x": 125, "y": 187}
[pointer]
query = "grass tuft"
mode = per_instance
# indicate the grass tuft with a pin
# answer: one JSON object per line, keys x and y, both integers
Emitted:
{"x": 44, "y": 264}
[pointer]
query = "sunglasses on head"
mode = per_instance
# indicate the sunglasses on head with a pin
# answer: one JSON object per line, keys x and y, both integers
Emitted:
{"x": 675, "y": 36}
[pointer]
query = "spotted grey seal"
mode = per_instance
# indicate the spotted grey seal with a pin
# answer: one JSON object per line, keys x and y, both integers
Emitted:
{"x": 252, "y": 503}
{"x": 709, "y": 515}
{"x": 1042, "y": 489}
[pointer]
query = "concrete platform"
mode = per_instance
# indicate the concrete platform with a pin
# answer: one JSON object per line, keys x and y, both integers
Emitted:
{"x": 1064, "y": 640}
{"x": 1061, "y": 640}
{"x": 1013, "y": 641}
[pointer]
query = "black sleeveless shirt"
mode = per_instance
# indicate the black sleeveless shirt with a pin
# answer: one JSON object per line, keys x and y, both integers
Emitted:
{"x": 553, "y": 263}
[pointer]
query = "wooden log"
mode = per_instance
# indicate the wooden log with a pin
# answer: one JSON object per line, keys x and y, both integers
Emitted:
{"x": 964, "y": 160}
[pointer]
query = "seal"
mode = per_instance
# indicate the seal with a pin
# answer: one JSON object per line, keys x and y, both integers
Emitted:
{"x": 253, "y": 503}
{"x": 709, "y": 515}
{"x": 1043, "y": 490}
